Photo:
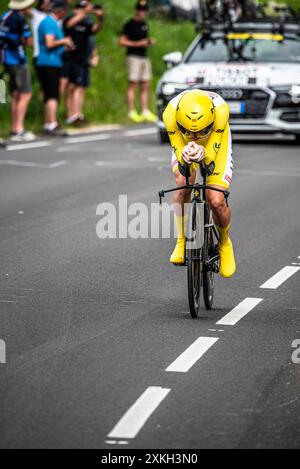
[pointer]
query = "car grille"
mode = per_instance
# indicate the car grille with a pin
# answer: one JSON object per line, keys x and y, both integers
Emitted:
{"x": 293, "y": 116}
{"x": 254, "y": 102}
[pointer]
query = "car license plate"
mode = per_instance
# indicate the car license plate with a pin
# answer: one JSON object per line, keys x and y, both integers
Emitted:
{"x": 237, "y": 107}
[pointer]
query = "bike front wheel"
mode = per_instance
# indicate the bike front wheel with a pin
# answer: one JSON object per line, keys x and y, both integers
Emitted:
{"x": 194, "y": 252}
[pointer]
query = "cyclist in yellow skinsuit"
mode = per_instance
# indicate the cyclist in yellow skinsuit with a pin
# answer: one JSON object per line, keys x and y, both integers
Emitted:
{"x": 198, "y": 128}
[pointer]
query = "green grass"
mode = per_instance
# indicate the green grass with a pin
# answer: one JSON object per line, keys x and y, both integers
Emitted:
{"x": 291, "y": 3}
{"x": 105, "y": 101}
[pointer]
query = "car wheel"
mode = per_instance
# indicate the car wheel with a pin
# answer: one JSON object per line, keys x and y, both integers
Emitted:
{"x": 297, "y": 139}
{"x": 163, "y": 136}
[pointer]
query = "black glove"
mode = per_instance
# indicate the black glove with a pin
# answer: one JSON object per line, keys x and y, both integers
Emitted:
{"x": 207, "y": 170}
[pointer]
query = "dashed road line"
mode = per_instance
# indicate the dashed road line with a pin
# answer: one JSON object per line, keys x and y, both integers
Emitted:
{"x": 25, "y": 146}
{"x": 135, "y": 418}
{"x": 87, "y": 138}
{"x": 278, "y": 279}
{"x": 32, "y": 164}
{"x": 192, "y": 354}
{"x": 116, "y": 442}
{"x": 237, "y": 313}
{"x": 135, "y": 133}
{"x": 57, "y": 164}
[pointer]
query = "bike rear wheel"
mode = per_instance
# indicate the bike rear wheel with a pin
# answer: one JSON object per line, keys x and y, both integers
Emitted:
{"x": 194, "y": 261}
{"x": 210, "y": 266}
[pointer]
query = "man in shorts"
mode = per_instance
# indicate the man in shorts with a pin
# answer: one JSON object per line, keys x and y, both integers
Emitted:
{"x": 14, "y": 36}
{"x": 135, "y": 36}
{"x": 48, "y": 63}
{"x": 80, "y": 27}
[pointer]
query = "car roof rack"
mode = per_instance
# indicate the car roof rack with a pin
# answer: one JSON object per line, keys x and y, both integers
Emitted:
{"x": 261, "y": 25}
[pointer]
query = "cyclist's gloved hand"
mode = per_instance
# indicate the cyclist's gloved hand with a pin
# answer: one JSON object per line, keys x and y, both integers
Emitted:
{"x": 193, "y": 153}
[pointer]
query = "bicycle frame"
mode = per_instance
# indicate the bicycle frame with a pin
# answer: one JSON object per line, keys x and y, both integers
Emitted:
{"x": 201, "y": 247}
{"x": 199, "y": 191}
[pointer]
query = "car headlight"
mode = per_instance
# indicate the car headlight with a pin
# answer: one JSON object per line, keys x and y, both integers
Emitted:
{"x": 170, "y": 88}
{"x": 295, "y": 93}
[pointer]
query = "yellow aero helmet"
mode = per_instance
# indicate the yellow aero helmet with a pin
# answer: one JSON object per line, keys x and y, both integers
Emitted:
{"x": 195, "y": 114}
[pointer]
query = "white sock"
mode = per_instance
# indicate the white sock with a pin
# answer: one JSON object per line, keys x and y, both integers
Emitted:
{"x": 50, "y": 126}
{"x": 73, "y": 118}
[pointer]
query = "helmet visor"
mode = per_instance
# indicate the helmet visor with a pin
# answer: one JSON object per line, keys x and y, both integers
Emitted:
{"x": 200, "y": 134}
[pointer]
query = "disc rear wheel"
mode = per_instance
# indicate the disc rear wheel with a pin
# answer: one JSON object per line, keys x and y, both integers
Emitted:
{"x": 210, "y": 266}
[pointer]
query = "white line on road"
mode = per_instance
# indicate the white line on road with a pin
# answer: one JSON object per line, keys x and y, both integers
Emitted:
{"x": 281, "y": 276}
{"x": 57, "y": 164}
{"x": 28, "y": 145}
{"x": 135, "y": 418}
{"x": 68, "y": 148}
{"x": 31, "y": 164}
{"x": 116, "y": 442}
{"x": 88, "y": 138}
{"x": 239, "y": 311}
{"x": 135, "y": 133}
{"x": 192, "y": 354}
{"x": 157, "y": 159}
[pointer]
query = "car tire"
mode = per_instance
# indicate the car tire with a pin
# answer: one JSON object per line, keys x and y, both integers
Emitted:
{"x": 297, "y": 139}
{"x": 163, "y": 136}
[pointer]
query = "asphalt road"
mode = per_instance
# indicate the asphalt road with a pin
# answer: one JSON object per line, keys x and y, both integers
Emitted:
{"x": 89, "y": 327}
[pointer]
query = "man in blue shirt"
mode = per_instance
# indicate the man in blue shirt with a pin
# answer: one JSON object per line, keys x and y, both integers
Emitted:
{"x": 51, "y": 46}
{"x": 14, "y": 35}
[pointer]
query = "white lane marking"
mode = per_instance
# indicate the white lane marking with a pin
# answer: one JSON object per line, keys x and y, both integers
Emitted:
{"x": 295, "y": 263}
{"x": 135, "y": 418}
{"x": 156, "y": 159}
{"x": 87, "y": 138}
{"x": 135, "y": 133}
{"x": 28, "y": 145}
{"x": 68, "y": 149}
{"x": 237, "y": 313}
{"x": 31, "y": 164}
{"x": 57, "y": 164}
{"x": 114, "y": 442}
{"x": 281, "y": 276}
{"x": 192, "y": 354}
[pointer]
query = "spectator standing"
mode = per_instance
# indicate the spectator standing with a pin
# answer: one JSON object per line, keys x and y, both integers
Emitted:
{"x": 51, "y": 46}
{"x": 37, "y": 15}
{"x": 135, "y": 36}
{"x": 76, "y": 74}
{"x": 14, "y": 35}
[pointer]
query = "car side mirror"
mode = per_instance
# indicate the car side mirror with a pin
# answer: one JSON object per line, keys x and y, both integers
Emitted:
{"x": 172, "y": 59}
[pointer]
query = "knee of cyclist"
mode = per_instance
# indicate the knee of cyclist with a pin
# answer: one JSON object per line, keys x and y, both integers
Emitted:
{"x": 217, "y": 204}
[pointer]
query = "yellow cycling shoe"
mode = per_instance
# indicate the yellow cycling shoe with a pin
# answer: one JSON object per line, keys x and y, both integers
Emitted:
{"x": 227, "y": 261}
{"x": 148, "y": 116}
{"x": 178, "y": 255}
{"x": 135, "y": 117}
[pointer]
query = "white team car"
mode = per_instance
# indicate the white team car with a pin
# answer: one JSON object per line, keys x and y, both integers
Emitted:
{"x": 254, "y": 66}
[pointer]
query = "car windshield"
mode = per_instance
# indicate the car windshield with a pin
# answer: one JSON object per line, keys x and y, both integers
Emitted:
{"x": 248, "y": 49}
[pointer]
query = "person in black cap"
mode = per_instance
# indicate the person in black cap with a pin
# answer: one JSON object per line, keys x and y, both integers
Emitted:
{"x": 81, "y": 28}
{"x": 135, "y": 36}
